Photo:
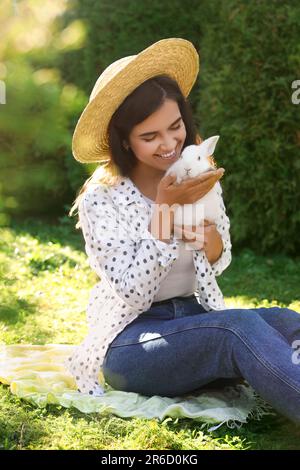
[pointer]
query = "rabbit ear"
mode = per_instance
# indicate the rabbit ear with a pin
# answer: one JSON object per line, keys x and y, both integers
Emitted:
{"x": 209, "y": 145}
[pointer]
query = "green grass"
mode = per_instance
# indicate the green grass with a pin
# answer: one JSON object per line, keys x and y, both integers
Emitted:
{"x": 47, "y": 282}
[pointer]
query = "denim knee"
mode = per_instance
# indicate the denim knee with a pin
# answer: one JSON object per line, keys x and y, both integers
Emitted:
{"x": 243, "y": 321}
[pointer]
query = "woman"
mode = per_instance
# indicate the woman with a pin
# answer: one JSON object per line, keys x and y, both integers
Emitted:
{"x": 158, "y": 324}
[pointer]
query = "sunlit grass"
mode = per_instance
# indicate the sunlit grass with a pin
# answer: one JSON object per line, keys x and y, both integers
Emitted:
{"x": 46, "y": 285}
{"x": 46, "y": 290}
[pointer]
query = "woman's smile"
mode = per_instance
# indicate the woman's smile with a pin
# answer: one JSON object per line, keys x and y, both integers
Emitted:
{"x": 156, "y": 139}
{"x": 171, "y": 156}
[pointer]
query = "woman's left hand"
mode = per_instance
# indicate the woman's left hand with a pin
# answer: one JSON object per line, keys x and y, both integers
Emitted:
{"x": 205, "y": 236}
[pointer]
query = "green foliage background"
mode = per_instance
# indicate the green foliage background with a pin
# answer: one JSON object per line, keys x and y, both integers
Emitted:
{"x": 53, "y": 51}
{"x": 251, "y": 56}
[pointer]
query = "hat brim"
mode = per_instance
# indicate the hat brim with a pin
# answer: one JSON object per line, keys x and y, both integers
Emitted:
{"x": 175, "y": 57}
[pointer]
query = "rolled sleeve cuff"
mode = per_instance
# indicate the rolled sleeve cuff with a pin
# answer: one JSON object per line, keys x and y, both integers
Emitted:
{"x": 168, "y": 252}
{"x": 223, "y": 262}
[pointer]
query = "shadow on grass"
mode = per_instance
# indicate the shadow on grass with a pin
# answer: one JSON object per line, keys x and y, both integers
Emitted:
{"x": 64, "y": 234}
{"x": 258, "y": 278}
{"x": 269, "y": 433}
{"x": 17, "y": 311}
{"x": 18, "y": 316}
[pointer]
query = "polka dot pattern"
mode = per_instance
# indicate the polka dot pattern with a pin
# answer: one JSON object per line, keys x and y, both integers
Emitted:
{"x": 131, "y": 264}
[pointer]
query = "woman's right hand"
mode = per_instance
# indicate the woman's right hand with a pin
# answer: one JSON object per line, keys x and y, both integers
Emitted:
{"x": 189, "y": 191}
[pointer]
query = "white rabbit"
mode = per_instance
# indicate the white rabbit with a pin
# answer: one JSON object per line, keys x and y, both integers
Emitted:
{"x": 195, "y": 160}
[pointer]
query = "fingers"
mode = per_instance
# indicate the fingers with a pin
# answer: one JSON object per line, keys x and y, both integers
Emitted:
{"x": 194, "y": 227}
{"x": 199, "y": 187}
{"x": 194, "y": 244}
{"x": 212, "y": 175}
{"x": 208, "y": 176}
{"x": 190, "y": 231}
{"x": 193, "y": 230}
{"x": 207, "y": 222}
{"x": 192, "y": 237}
{"x": 169, "y": 179}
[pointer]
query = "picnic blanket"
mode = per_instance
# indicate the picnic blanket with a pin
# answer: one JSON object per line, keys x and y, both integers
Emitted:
{"x": 36, "y": 373}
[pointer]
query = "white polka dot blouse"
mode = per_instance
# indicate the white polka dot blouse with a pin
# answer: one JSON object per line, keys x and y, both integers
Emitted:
{"x": 131, "y": 263}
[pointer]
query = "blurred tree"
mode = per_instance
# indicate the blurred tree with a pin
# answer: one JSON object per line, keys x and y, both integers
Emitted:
{"x": 250, "y": 56}
{"x": 36, "y": 121}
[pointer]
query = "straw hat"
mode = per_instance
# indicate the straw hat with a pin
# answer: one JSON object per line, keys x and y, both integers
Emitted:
{"x": 174, "y": 57}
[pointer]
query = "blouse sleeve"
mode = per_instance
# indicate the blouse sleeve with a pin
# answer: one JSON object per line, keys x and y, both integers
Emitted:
{"x": 126, "y": 258}
{"x": 223, "y": 226}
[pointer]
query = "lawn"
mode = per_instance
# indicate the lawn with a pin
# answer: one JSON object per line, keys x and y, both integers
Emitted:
{"x": 47, "y": 282}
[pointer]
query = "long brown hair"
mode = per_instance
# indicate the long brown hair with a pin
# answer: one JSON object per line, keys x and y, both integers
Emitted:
{"x": 141, "y": 103}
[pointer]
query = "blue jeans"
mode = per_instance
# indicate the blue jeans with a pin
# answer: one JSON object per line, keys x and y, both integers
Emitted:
{"x": 176, "y": 347}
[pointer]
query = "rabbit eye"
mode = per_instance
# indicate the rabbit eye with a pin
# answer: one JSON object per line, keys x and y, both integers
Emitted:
{"x": 199, "y": 158}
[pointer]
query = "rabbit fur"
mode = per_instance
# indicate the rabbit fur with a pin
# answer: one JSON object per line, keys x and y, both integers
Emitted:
{"x": 193, "y": 161}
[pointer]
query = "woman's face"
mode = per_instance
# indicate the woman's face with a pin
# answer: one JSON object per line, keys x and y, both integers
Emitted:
{"x": 165, "y": 133}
